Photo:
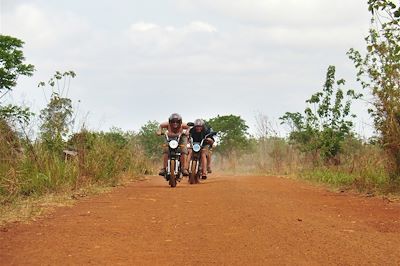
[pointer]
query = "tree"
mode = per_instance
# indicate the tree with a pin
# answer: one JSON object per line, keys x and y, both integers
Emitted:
{"x": 57, "y": 116}
{"x": 323, "y": 128}
{"x": 149, "y": 140}
{"x": 232, "y": 133}
{"x": 379, "y": 71}
{"x": 10, "y": 112}
{"x": 11, "y": 67}
{"x": 11, "y": 63}
{"x": 117, "y": 137}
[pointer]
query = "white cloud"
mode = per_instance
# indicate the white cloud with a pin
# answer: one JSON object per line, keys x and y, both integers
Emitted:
{"x": 142, "y": 26}
{"x": 44, "y": 29}
{"x": 317, "y": 13}
{"x": 196, "y": 46}
{"x": 263, "y": 55}
{"x": 167, "y": 41}
{"x": 200, "y": 26}
{"x": 305, "y": 38}
{"x": 31, "y": 23}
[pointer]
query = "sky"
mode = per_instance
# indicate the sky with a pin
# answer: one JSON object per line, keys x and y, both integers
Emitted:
{"x": 139, "y": 61}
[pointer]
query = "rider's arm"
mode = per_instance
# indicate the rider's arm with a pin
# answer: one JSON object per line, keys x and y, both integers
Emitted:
{"x": 210, "y": 140}
{"x": 163, "y": 125}
{"x": 185, "y": 129}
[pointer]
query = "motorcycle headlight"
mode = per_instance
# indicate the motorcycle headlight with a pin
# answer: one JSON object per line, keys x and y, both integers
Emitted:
{"x": 173, "y": 144}
{"x": 196, "y": 147}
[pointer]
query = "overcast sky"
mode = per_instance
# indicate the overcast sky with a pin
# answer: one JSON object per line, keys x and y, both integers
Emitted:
{"x": 142, "y": 60}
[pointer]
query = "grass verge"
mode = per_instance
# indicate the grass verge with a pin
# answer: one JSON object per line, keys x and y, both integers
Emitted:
{"x": 27, "y": 209}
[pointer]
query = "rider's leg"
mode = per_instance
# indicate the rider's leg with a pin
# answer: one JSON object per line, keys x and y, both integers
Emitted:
{"x": 204, "y": 162}
{"x": 184, "y": 152}
{"x": 165, "y": 162}
{"x": 209, "y": 161}
{"x": 188, "y": 157}
{"x": 184, "y": 164}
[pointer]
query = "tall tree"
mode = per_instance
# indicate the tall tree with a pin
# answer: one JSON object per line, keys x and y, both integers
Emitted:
{"x": 12, "y": 63}
{"x": 379, "y": 71}
{"x": 11, "y": 67}
{"x": 326, "y": 122}
{"x": 232, "y": 133}
{"x": 58, "y": 114}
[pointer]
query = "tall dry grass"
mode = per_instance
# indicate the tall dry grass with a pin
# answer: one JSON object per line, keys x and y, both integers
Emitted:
{"x": 103, "y": 158}
{"x": 361, "y": 166}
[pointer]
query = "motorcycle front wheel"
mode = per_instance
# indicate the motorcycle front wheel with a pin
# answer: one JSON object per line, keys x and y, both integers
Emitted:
{"x": 192, "y": 174}
{"x": 172, "y": 178}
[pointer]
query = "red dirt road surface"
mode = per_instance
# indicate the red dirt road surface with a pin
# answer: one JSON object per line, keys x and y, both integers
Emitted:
{"x": 242, "y": 220}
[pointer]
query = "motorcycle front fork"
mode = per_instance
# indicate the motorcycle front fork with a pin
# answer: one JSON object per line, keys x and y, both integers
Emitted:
{"x": 177, "y": 162}
{"x": 191, "y": 164}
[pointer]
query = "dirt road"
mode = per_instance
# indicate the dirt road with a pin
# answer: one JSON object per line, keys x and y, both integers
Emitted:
{"x": 224, "y": 221}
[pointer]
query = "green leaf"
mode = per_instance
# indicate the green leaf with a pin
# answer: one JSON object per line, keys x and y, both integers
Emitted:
{"x": 11, "y": 62}
{"x": 397, "y": 13}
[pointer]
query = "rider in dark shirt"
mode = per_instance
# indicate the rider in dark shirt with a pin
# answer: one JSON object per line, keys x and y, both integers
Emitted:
{"x": 198, "y": 132}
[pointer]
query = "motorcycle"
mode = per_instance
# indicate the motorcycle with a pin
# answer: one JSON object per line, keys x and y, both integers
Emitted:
{"x": 195, "y": 167}
{"x": 173, "y": 170}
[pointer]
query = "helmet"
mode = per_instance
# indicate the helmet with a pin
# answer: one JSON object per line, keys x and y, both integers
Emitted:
{"x": 198, "y": 123}
{"x": 175, "y": 117}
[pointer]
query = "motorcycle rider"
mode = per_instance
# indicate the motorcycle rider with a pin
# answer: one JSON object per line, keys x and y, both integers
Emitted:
{"x": 198, "y": 132}
{"x": 175, "y": 128}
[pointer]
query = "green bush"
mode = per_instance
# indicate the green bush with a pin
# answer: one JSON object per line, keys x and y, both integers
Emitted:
{"x": 102, "y": 158}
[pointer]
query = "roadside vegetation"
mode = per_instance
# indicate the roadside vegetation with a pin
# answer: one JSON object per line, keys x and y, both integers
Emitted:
{"x": 322, "y": 145}
{"x": 53, "y": 159}
{"x": 40, "y": 154}
{"x": 374, "y": 164}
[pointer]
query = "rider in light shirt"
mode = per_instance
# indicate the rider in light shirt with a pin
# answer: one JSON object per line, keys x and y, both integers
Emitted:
{"x": 175, "y": 128}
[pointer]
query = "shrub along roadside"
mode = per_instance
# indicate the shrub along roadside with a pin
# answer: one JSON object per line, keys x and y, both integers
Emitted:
{"x": 102, "y": 159}
{"x": 363, "y": 166}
